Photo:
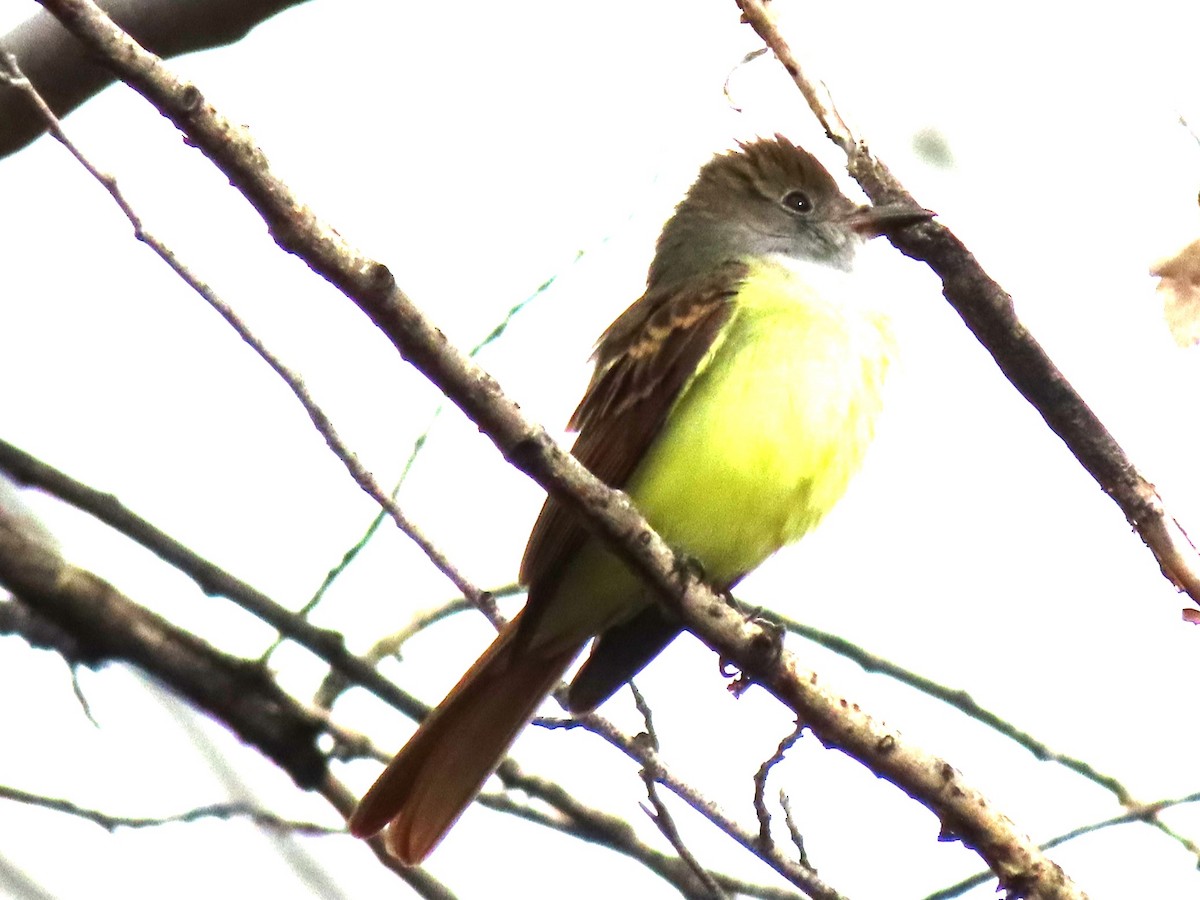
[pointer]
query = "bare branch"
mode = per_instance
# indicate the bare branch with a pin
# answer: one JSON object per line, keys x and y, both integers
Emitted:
{"x": 988, "y": 311}
{"x": 66, "y": 74}
{"x": 1146, "y": 813}
{"x": 793, "y": 831}
{"x": 665, "y": 823}
{"x": 661, "y": 816}
{"x": 646, "y": 756}
{"x": 10, "y": 74}
{"x": 108, "y": 626}
{"x": 954, "y": 697}
{"x": 760, "y": 784}
{"x": 336, "y": 682}
{"x": 211, "y": 578}
{"x": 609, "y": 831}
{"x": 419, "y": 444}
{"x": 236, "y": 692}
{"x": 966, "y": 704}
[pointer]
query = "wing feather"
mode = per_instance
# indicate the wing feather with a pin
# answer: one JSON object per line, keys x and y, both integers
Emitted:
{"x": 644, "y": 361}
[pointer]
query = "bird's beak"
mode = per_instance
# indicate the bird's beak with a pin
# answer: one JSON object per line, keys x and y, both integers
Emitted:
{"x": 872, "y": 221}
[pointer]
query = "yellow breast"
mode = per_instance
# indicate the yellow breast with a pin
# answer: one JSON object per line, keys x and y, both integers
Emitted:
{"x": 767, "y": 434}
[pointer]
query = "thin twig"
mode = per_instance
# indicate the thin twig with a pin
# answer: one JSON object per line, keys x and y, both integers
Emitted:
{"x": 419, "y": 444}
{"x": 212, "y": 579}
{"x": 108, "y": 626}
{"x": 336, "y": 682}
{"x": 643, "y": 754}
{"x": 617, "y": 834}
{"x": 793, "y": 831}
{"x": 81, "y": 697}
{"x": 324, "y": 425}
{"x": 818, "y": 99}
{"x": 663, "y": 821}
{"x": 224, "y": 811}
{"x": 760, "y": 784}
{"x": 571, "y": 817}
{"x": 727, "y": 88}
{"x": 658, "y": 812}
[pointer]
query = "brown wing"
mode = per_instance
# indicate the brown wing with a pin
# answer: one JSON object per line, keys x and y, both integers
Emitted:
{"x": 643, "y": 361}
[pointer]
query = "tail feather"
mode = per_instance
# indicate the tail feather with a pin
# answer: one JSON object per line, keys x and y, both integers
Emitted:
{"x": 618, "y": 655}
{"x": 439, "y": 771}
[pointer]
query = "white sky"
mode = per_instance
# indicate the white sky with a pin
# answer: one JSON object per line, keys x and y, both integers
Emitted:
{"x": 476, "y": 157}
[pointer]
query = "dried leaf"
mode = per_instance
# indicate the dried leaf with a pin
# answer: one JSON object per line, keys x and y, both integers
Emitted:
{"x": 1179, "y": 286}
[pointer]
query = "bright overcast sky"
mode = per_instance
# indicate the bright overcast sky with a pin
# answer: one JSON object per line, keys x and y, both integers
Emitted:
{"x": 477, "y": 154}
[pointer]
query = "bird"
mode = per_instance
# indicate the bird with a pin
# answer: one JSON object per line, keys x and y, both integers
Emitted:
{"x": 732, "y": 402}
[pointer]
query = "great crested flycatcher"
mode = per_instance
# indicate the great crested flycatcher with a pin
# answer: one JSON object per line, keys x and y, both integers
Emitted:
{"x": 732, "y": 403}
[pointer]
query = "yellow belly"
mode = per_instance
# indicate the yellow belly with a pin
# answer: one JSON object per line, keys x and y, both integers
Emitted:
{"x": 761, "y": 443}
{"x": 765, "y": 438}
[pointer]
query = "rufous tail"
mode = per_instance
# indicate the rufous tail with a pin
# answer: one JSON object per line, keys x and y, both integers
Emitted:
{"x": 437, "y": 774}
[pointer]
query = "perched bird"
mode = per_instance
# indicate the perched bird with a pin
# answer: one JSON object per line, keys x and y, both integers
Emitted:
{"x": 732, "y": 402}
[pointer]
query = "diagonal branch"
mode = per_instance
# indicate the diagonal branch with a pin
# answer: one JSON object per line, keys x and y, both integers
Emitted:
{"x": 988, "y": 311}
{"x": 1146, "y": 813}
{"x": 967, "y": 705}
{"x": 109, "y": 626}
{"x": 212, "y": 579}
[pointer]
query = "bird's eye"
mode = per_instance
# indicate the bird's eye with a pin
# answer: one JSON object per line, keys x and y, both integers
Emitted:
{"x": 797, "y": 201}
